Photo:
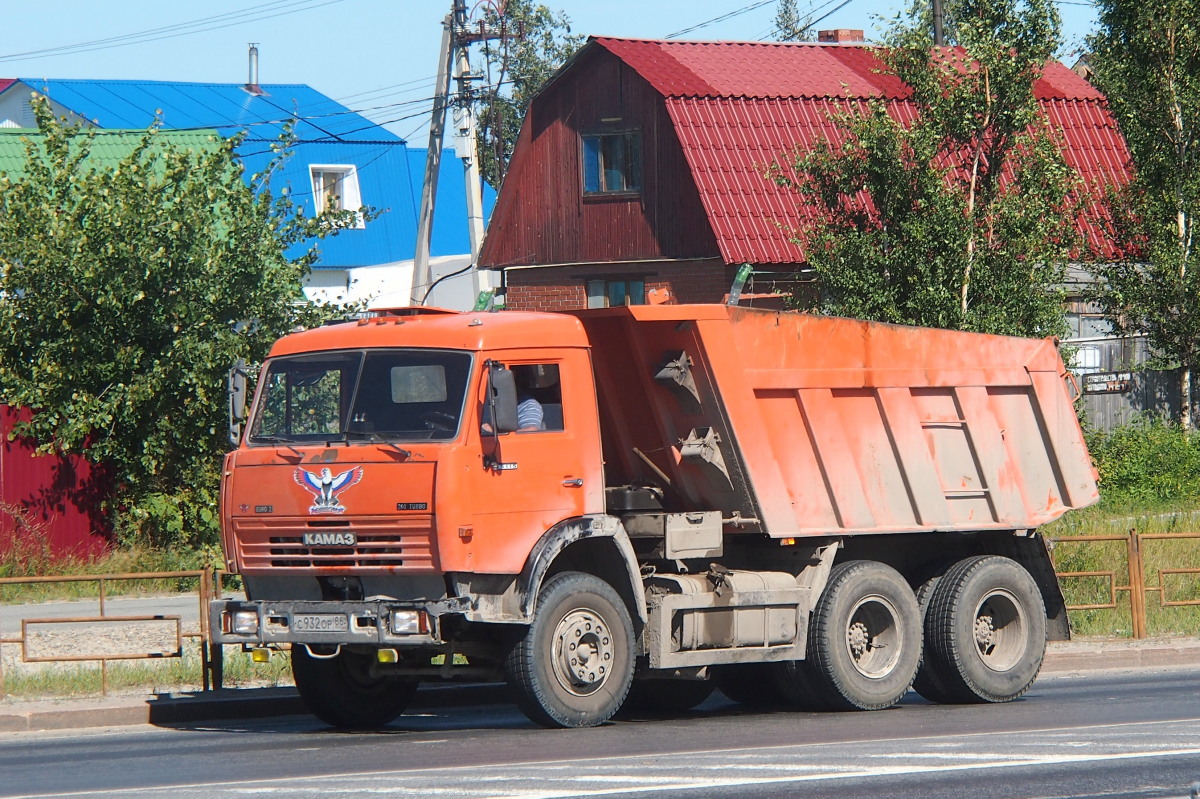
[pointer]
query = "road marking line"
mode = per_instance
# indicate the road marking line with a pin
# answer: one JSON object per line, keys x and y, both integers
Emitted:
{"x": 891, "y": 771}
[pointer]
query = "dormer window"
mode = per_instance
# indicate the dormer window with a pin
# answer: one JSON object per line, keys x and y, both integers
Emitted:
{"x": 612, "y": 163}
{"x": 335, "y": 187}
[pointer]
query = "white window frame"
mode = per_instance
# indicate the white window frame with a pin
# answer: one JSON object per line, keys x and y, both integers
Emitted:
{"x": 350, "y": 196}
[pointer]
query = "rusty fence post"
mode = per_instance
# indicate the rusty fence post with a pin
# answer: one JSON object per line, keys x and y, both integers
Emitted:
{"x": 103, "y": 661}
{"x": 1137, "y": 584}
{"x": 205, "y": 638}
{"x": 216, "y": 652}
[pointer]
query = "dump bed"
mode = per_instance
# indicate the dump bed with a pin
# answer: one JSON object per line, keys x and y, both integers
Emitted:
{"x": 816, "y": 425}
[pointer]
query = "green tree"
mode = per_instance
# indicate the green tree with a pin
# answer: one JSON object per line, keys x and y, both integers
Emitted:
{"x": 126, "y": 294}
{"x": 790, "y": 25}
{"x": 1147, "y": 61}
{"x": 535, "y": 43}
{"x": 914, "y": 222}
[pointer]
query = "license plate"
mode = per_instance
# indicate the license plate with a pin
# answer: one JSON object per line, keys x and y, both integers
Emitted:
{"x": 320, "y": 622}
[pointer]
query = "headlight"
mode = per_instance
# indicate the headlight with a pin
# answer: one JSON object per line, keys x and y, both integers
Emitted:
{"x": 244, "y": 622}
{"x": 408, "y": 622}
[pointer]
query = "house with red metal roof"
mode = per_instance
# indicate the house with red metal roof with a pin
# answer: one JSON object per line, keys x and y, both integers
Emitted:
{"x": 639, "y": 173}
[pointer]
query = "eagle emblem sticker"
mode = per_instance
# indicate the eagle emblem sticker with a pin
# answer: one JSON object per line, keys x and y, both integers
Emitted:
{"x": 325, "y": 487}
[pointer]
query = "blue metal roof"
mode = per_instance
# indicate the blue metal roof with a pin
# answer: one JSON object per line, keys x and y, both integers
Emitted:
{"x": 390, "y": 174}
{"x": 228, "y": 107}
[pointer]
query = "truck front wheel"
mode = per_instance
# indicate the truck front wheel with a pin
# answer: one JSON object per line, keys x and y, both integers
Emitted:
{"x": 342, "y": 692}
{"x": 864, "y": 642}
{"x": 985, "y": 630}
{"x": 574, "y": 665}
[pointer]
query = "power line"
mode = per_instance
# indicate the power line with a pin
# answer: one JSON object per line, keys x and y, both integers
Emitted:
{"x": 203, "y": 25}
{"x": 721, "y": 18}
{"x": 427, "y": 81}
{"x": 812, "y": 21}
{"x": 831, "y": 12}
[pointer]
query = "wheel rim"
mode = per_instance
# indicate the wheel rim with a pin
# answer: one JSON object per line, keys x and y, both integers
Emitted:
{"x": 1001, "y": 630}
{"x": 583, "y": 652}
{"x": 873, "y": 636}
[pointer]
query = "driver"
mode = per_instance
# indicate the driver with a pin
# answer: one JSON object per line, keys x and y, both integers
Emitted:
{"x": 529, "y": 411}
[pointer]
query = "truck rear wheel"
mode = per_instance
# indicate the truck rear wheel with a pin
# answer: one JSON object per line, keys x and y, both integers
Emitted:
{"x": 574, "y": 665}
{"x": 864, "y": 642}
{"x": 929, "y": 681}
{"x": 794, "y": 683}
{"x": 342, "y": 692}
{"x": 986, "y": 630}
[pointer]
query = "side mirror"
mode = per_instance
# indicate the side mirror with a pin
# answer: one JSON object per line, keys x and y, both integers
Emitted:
{"x": 237, "y": 400}
{"x": 501, "y": 399}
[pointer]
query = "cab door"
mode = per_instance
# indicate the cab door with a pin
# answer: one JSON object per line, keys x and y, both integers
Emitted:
{"x": 525, "y": 482}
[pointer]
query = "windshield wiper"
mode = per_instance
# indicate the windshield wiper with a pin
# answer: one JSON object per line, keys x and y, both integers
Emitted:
{"x": 277, "y": 441}
{"x": 375, "y": 438}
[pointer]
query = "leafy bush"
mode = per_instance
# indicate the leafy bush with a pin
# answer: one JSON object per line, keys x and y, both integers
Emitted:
{"x": 126, "y": 293}
{"x": 1149, "y": 462}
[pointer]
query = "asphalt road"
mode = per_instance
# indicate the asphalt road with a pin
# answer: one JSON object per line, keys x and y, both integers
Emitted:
{"x": 186, "y": 606}
{"x": 1110, "y": 734}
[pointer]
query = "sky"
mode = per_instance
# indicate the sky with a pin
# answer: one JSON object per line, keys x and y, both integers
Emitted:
{"x": 378, "y": 57}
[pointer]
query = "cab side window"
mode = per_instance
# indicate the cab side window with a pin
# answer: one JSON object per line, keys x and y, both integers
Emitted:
{"x": 539, "y": 397}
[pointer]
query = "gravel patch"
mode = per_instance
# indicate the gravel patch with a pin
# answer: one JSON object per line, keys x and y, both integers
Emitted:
{"x": 114, "y": 639}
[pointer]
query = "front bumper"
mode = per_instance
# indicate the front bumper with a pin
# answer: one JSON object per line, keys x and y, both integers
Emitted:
{"x": 380, "y": 622}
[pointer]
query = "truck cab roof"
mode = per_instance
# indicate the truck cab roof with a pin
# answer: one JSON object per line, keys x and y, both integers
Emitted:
{"x": 440, "y": 329}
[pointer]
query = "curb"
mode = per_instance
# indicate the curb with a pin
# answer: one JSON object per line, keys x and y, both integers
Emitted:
{"x": 1096, "y": 656}
{"x": 253, "y": 703}
{"x": 224, "y": 705}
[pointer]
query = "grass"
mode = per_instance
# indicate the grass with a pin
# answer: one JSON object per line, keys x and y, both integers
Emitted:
{"x": 65, "y": 680}
{"x": 26, "y": 553}
{"x": 17, "y": 563}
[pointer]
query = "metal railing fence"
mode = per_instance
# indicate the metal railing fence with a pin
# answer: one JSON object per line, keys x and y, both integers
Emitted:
{"x": 1126, "y": 577}
{"x": 1130, "y": 577}
{"x": 207, "y": 586}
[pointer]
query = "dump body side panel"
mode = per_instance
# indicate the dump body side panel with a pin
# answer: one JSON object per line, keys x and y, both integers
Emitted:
{"x": 819, "y": 425}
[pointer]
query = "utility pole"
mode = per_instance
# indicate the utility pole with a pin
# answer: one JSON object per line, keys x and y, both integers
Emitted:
{"x": 454, "y": 57}
{"x": 939, "y": 38}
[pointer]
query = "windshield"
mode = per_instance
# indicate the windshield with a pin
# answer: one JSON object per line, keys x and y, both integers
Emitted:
{"x": 392, "y": 395}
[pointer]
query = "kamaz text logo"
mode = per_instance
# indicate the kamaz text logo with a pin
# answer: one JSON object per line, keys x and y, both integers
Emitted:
{"x": 330, "y": 539}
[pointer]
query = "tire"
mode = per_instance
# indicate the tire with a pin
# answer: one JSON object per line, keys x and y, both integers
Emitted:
{"x": 574, "y": 665}
{"x": 986, "y": 629}
{"x": 668, "y": 696}
{"x": 929, "y": 682}
{"x": 747, "y": 683}
{"x": 341, "y": 691}
{"x": 793, "y": 681}
{"x": 864, "y": 642}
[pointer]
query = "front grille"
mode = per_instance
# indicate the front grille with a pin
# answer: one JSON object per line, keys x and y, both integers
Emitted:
{"x": 383, "y": 544}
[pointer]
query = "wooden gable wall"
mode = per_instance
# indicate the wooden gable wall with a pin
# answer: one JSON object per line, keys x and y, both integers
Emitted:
{"x": 542, "y": 216}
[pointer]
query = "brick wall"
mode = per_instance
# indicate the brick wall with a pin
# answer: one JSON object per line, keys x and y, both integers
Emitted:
{"x": 565, "y": 287}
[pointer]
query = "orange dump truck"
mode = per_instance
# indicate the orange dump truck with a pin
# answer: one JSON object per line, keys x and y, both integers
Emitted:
{"x": 641, "y": 504}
